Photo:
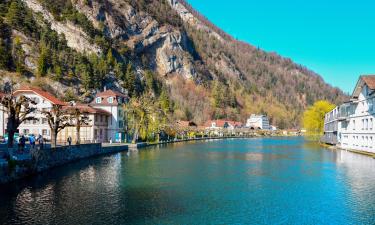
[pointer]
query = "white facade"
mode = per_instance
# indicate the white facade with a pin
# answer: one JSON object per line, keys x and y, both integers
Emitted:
{"x": 113, "y": 103}
{"x": 40, "y": 125}
{"x": 357, "y": 131}
{"x": 354, "y": 121}
{"x": 258, "y": 122}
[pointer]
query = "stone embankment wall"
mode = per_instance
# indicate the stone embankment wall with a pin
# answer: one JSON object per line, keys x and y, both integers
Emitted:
{"x": 42, "y": 160}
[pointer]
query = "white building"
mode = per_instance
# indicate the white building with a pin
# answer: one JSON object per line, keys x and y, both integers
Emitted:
{"x": 355, "y": 119}
{"x": 112, "y": 102}
{"x": 356, "y": 130}
{"x": 258, "y": 122}
{"x": 44, "y": 101}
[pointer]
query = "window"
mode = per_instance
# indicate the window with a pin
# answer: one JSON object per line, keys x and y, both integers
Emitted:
{"x": 44, "y": 121}
{"x": 110, "y": 100}
{"x": 36, "y": 121}
{"x": 353, "y": 124}
{"x": 370, "y": 105}
{"x": 44, "y": 132}
{"x": 366, "y": 124}
{"x": 26, "y": 131}
{"x": 98, "y": 100}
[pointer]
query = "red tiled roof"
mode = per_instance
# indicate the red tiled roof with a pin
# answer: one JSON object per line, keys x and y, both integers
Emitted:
{"x": 2, "y": 94}
{"x": 111, "y": 93}
{"x": 221, "y": 123}
{"x": 41, "y": 93}
{"x": 84, "y": 108}
{"x": 369, "y": 80}
{"x": 107, "y": 94}
{"x": 184, "y": 123}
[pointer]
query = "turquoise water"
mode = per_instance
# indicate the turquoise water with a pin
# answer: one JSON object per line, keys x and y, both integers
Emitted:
{"x": 241, "y": 181}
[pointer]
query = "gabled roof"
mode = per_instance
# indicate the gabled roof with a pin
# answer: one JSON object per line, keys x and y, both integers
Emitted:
{"x": 107, "y": 94}
{"x": 221, "y": 123}
{"x": 369, "y": 80}
{"x": 111, "y": 93}
{"x": 47, "y": 96}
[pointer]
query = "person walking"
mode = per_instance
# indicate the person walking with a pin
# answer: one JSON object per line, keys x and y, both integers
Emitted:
{"x": 32, "y": 141}
{"x": 23, "y": 143}
{"x": 69, "y": 141}
{"x": 41, "y": 142}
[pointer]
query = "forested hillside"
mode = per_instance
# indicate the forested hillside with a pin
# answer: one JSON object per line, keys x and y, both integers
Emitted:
{"x": 161, "y": 49}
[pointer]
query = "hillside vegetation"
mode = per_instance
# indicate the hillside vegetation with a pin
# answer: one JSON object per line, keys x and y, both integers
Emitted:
{"x": 153, "y": 48}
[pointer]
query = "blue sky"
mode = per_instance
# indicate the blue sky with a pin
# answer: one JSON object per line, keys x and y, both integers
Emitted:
{"x": 335, "y": 38}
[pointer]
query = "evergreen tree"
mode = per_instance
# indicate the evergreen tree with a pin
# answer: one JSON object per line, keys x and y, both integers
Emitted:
{"x": 130, "y": 80}
{"x": 43, "y": 61}
{"x": 164, "y": 101}
{"x": 5, "y": 56}
{"x": 16, "y": 14}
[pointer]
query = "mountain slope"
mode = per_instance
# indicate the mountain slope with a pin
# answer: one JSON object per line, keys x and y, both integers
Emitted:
{"x": 162, "y": 47}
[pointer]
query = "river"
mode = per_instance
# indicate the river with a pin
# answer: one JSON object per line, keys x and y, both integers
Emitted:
{"x": 236, "y": 181}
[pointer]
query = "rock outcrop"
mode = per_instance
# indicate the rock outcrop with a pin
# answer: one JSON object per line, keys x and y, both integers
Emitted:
{"x": 165, "y": 45}
{"x": 76, "y": 38}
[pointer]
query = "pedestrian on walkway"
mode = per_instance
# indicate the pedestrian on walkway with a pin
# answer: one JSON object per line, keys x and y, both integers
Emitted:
{"x": 41, "y": 142}
{"x": 32, "y": 141}
{"x": 69, "y": 141}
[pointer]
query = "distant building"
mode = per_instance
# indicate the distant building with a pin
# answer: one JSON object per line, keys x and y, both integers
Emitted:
{"x": 351, "y": 125}
{"x": 331, "y": 127}
{"x": 258, "y": 122}
{"x": 112, "y": 102}
{"x": 222, "y": 124}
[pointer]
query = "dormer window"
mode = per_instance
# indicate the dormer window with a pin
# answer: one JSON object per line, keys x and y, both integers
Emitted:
{"x": 98, "y": 100}
{"x": 110, "y": 100}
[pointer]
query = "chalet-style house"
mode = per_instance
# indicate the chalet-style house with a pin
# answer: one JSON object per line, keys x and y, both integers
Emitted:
{"x": 351, "y": 125}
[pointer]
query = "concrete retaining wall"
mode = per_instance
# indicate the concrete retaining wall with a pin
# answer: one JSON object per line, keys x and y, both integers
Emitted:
{"x": 42, "y": 160}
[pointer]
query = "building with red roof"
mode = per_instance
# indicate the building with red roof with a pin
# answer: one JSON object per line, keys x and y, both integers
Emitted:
{"x": 112, "y": 102}
{"x": 96, "y": 130}
{"x": 218, "y": 124}
{"x": 43, "y": 101}
{"x": 39, "y": 95}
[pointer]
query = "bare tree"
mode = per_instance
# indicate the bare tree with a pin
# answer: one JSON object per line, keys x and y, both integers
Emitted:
{"x": 57, "y": 119}
{"x": 18, "y": 110}
{"x": 80, "y": 118}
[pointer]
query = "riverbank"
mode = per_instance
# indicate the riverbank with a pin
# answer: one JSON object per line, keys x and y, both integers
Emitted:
{"x": 333, "y": 147}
